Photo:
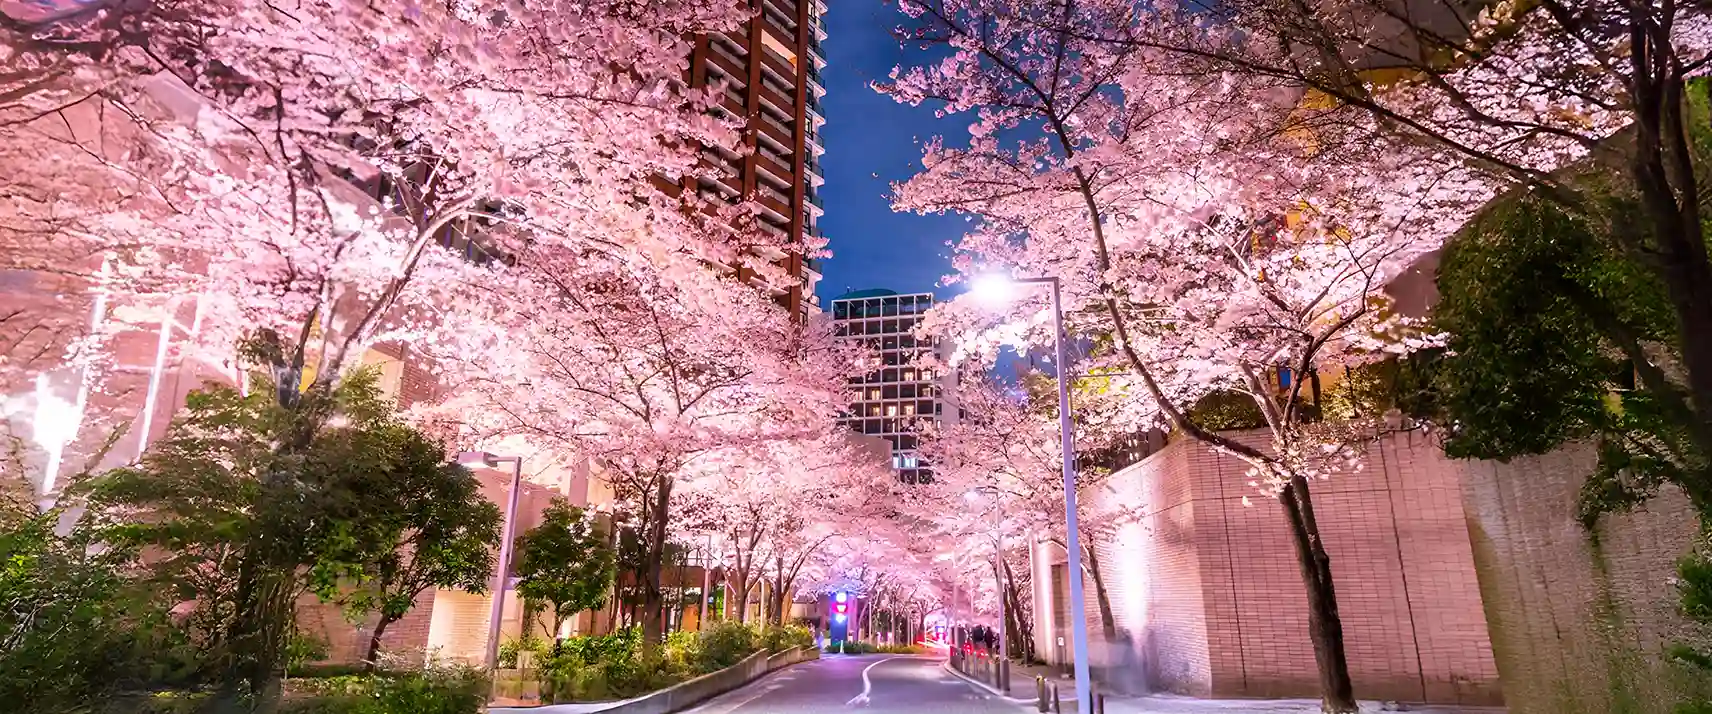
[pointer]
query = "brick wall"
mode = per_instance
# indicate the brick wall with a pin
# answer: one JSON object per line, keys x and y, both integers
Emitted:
{"x": 1577, "y": 628}
{"x": 1208, "y": 597}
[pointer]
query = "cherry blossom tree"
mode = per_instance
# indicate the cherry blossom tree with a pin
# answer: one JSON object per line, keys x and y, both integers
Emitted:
{"x": 659, "y": 384}
{"x": 302, "y": 168}
{"x": 1529, "y": 97}
{"x": 787, "y": 513}
{"x": 1209, "y": 237}
{"x": 1001, "y": 465}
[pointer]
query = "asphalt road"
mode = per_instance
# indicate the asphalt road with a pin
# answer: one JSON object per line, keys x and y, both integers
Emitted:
{"x": 893, "y": 685}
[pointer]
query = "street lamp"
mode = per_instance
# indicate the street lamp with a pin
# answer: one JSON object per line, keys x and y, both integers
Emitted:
{"x": 998, "y": 289}
{"x": 502, "y": 574}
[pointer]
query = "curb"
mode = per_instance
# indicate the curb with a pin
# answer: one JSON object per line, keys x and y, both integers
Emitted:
{"x": 988, "y": 688}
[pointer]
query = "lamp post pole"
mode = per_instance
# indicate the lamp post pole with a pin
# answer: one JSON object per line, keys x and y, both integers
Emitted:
{"x": 1072, "y": 534}
{"x": 502, "y": 569}
{"x": 1073, "y": 538}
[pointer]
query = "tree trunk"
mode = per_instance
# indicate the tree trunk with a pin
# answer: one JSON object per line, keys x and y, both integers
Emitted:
{"x": 740, "y": 588}
{"x": 1022, "y": 642}
{"x": 1325, "y": 628}
{"x": 653, "y": 597}
{"x": 1108, "y": 625}
{"x": 370, "y": 658}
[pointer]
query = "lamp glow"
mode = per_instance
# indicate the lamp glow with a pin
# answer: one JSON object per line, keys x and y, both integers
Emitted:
{"x": 993, "y": 289}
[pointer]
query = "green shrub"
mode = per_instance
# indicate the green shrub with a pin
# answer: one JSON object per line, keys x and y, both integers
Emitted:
{"x": 302, "y": 649}
{"x": 452, "y": 690}
{"x": 900, "y": 649}
{"x": 779, "y": 639}
{"x": 622, "y": 645}
{"x": 78, "y": 628}
{"x": 511, "y": 648}
{"x": 683, "y": 651}
{"x": 726, "y": 644}
{"x": 850, "y": 647}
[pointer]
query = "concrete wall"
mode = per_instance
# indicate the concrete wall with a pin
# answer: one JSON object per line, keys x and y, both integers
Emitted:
{"x": 1207, "y": 597}
{"x": 1578, "y": 627}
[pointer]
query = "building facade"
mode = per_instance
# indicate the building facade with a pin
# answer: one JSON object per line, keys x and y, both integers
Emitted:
{"x": 895, "y": 392}
{"x": 771, "y": 74}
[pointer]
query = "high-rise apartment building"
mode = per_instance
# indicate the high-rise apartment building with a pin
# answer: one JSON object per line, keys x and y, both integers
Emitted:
{"x": 771, "y": 69}
{"x": 895, "y": 394}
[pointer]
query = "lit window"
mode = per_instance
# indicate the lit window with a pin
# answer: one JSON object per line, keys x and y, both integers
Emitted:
{"x": 873, "y": 394}
{"x": 909, "y": 375}
{"x": 891, "y": 410}
{"x": 909, "y": 410}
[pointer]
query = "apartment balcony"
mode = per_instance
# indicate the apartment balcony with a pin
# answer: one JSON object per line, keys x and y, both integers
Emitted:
{"x": 733, "y": 70}
{"x": 769, "y": 253}
{"x": 775, "y": 130}
{"x": 774, "y": 202}
{"x": 734, "y": 64}
{"x": 815, "y": 52}
{"x": 733, "y": 104}
{"x": 785, "y": 8}
{"x": 814, "y": 81}
{"x": 774, "y": 230}
{"x": 780, "y": 101}
{"x": 729, "y": 185}
{"x": 778, "y": 166}
{"x": 781, "y": 69}
{"x": 786, "y": 36}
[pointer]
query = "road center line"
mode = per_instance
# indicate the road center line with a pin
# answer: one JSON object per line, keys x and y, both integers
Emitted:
{"x": 867, "y": 684}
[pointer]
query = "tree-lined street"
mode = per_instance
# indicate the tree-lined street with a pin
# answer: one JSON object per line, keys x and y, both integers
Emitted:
{"x": 875, "y": 683}
{"x": 393, "y": 357}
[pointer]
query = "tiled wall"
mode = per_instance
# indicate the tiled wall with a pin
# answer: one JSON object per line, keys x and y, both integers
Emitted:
{"x": 1224, "y": 610}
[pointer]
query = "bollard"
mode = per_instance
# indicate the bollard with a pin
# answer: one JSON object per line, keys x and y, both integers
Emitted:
{"x": 1040, "y": 693}
{"x": 1099, "y": 703}
{"x": 1005, "y": 676}
{"x": 1057, "y": 704}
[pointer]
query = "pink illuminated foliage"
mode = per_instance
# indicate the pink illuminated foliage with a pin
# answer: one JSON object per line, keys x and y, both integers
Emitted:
{"x": 322, "y": 173}
{"x": 1210, "y": 234}
{"x": 661, "y": 385}
{"x": 1000, "y": 464}
{"x": 786, "y": 513}
{"x": 1226, "y": 191}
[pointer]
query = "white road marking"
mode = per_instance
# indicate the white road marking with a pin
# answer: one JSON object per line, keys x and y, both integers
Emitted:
{"x": 867, "y": 684}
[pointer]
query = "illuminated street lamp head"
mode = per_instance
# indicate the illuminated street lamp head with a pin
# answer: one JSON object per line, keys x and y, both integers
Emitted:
{"x": 478, "y": 458}
{"x": 995, "y": 289}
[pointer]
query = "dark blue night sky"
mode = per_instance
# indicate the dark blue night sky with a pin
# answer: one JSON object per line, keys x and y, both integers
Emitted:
{"x": 870, "y": 142}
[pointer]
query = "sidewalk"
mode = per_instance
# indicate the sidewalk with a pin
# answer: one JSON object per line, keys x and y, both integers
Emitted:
{"x": 1022, "y": 694}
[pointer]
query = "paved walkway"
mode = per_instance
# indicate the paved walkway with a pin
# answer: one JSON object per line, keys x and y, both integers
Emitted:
{"x": 1022, "y": 694}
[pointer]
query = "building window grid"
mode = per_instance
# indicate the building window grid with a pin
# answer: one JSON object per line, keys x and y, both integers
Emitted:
{"x": 894, "y": 397}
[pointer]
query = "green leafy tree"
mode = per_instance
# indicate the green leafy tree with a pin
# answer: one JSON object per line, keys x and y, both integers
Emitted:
{"x": 566, "y": 562}
{"x": 1555, "y": 337}
{"x": 433, "y": 528}
{"x": 244, "y": 498}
